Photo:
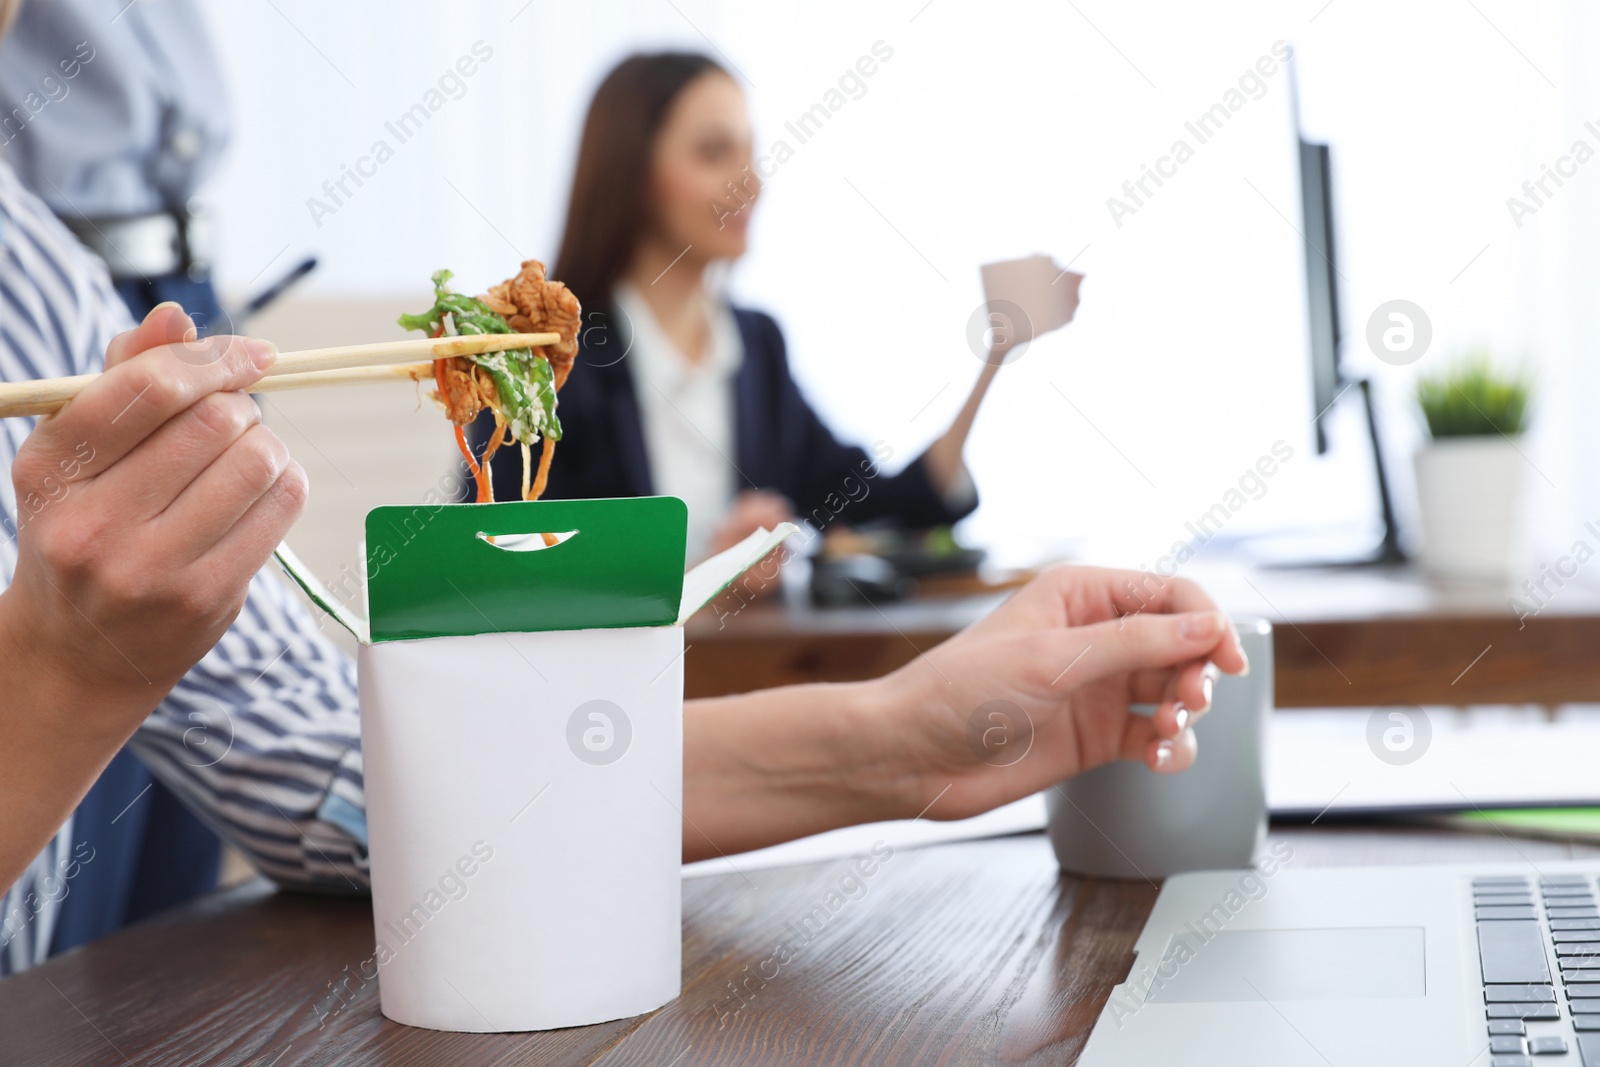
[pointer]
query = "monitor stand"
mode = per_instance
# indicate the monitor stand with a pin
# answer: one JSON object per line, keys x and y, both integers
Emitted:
{"x": 1388, "y": 552}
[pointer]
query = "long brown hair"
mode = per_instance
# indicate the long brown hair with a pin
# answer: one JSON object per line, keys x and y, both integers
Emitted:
{"x": 609, "y": 207}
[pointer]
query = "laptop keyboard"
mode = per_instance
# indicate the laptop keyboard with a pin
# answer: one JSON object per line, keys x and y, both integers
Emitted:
{"x": 1517, "y": 924}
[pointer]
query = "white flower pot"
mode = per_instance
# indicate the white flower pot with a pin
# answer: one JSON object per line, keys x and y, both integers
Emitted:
{"x": 1470, "y": 492}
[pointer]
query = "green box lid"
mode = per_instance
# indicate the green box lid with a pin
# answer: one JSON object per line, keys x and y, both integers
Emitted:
{"x": 432, "y": 572}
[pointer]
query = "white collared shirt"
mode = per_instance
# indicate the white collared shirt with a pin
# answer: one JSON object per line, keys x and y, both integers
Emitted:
{"x": 686, "y": 412}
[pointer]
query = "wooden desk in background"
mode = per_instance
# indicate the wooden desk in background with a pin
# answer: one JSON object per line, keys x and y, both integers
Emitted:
{"x": 970, "y": 952}
{"x": 1355, "y": 638}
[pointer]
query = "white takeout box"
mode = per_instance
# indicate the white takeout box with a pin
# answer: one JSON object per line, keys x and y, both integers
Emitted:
{"x": 522, "y": 735}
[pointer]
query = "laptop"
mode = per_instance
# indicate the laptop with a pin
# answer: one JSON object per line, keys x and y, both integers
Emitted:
{"x": 1454, "y": 966}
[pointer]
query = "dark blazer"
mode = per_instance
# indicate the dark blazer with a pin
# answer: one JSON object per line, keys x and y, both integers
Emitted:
{"x": 780, "y": 443}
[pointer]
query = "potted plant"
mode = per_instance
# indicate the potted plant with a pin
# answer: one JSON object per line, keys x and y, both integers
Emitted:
{"x": 1469, "y": 474}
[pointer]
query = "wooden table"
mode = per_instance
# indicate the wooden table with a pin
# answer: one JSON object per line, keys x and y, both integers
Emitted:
{"x": 973, "y": 952}
{"x": 1354, "y": 638}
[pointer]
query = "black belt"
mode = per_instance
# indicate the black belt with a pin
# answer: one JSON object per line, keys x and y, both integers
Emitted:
{"x": 148, "y": 246}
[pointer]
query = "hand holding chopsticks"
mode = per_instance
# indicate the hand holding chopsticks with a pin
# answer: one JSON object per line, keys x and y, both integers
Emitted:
{"x": 384, "y": 361}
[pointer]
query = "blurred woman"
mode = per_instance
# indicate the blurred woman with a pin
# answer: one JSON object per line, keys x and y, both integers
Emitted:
{"x": 676, "y": 391}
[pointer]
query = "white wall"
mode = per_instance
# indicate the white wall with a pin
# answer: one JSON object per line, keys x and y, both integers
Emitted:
{"x": 999, "y": 129}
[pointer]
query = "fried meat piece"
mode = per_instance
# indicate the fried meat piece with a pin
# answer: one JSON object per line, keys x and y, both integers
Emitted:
{"x": 464, "y": 389}
{"x": 534, "y": 304}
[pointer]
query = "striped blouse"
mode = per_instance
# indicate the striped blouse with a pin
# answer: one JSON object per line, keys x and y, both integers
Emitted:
{"x": 261, "y": 738}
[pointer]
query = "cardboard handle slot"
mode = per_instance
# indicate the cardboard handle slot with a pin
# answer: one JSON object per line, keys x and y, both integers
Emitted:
{"x": 526, "y": 542}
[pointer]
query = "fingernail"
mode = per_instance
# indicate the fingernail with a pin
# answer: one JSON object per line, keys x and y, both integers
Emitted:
{"x": 262, "y": 353}
{"x": 1200, "y": 626}
{"x": 166, "y": 304}
{"x": 1182, "y": 716}
{"x": 1208, "y": 685}
{"x": 1163, "y": 754}
{"x": 1246, "y": 661}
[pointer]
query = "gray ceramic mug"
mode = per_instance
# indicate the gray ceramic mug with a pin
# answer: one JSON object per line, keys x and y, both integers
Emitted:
{"x": 1123, "y": 820}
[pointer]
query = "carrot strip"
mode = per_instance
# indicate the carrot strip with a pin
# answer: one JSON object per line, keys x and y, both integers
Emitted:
{"x": 497, "y": 440}
{"x": 543, "y": 476}
{"x": 461, "y": 440}
{"x": 438, "y": 377}
{"x": 478, "y": 475}
{"x": 493, "y": 446}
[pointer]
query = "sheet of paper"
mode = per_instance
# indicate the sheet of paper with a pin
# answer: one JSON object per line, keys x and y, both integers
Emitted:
{"x": 1017, "y": 817}
{"x": 1031, "y": 296}
{"x": 1336, "y": 760}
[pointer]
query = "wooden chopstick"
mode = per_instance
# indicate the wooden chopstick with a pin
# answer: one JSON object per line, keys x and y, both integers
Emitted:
{"x": 396, "y": 372}
{"x": 48, "y": 395}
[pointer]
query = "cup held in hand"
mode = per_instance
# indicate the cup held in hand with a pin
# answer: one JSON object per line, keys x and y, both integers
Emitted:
{"x": 1023, "y": 299}
{"x": 1123, "y": 820}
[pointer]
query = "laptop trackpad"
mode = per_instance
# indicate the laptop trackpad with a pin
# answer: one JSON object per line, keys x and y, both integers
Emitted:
{"x": 1360, "y": 963}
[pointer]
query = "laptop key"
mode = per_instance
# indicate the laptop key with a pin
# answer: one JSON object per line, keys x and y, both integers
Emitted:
{"x": 1554, "y": 1044}
{"x": 1573, "y": 913}
{"x": 1529, "y": 1011}
{"x": 1519, "y": 994}
{"x": 1586, "y": 1023}
{"x": 1510, "y": 911}
{"x": 1518, "y": 1060}
{"x": 1503, "y": 879}
{"x": 1561, "y": 936}
{"x": 1578, "y": 948}
{"x": 1484, "y": 900}
{"x": 1575, "y": 924}
{"x": 1564, "y": 879}
{"x": 1584, "y": 1006}
{"x": 1506, "y": 1043}
{"x": 1589, "y": 1049}
{"x": 1583, "y": 989}
{"x": 1507, "y": 1026}
{"x": 1512, "y": 952}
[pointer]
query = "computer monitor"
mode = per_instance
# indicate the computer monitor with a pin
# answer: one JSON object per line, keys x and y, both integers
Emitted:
{"x": 1322, "y": 279}
{"x": 1328, "y": 382}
